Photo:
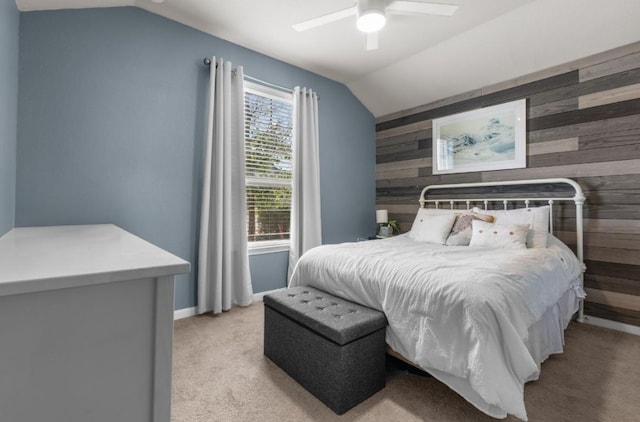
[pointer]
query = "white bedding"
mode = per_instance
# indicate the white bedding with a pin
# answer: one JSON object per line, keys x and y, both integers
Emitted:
{"x": 461, "y": 313}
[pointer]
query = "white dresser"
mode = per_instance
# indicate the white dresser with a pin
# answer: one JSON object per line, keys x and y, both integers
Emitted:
{"x": 86, "y": 319}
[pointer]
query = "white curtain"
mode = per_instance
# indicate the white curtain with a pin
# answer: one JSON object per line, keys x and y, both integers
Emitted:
{"x": 223, "y": 266}
{"x": 306, "y": 227}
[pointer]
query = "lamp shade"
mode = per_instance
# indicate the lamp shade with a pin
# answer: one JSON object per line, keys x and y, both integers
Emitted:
{"x": 382, "y": 217}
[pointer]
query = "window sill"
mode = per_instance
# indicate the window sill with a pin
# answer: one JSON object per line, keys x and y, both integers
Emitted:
{"x": 268, "y": 246}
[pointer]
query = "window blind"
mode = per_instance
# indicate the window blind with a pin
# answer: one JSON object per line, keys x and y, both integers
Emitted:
{"x": 268, "y": 163}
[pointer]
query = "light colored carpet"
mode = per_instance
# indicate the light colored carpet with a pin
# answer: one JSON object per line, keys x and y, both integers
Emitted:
{"x": 220, "y": 374}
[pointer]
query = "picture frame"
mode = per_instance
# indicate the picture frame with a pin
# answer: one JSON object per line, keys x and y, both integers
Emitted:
{"x": 486, "y": 139}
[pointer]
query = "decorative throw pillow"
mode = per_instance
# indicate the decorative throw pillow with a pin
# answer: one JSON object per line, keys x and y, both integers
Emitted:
{"x": 536, "y": 218}
{"x": 498, "y": 236}
{"x": 424, "y": 212}
{"x": 436, "y": 211}
{"x": 461, "y": 231}
{"x": 432, "y": 228}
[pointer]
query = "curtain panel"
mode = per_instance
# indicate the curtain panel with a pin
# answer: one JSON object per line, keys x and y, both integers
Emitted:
{"x": 306, "y": 226}
{"x": 223, "y": 263}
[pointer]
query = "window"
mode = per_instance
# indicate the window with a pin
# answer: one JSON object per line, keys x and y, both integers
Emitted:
{"x": 268, "y": 166}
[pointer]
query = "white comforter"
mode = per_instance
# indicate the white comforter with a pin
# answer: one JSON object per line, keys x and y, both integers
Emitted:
{"x": 461, "y": 313}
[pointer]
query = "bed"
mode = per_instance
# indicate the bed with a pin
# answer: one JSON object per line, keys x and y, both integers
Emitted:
{"x": 480, "y": 318}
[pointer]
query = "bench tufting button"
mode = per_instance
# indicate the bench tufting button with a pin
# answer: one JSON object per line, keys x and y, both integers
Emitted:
{"x": 334, "y": 304}
{"x": 352, "y": 311}
{"x": 291, "y": 295}
{"x": 337, "y": 316}
{"x": 304, "y": 301}
{"x": 306, "y": 292}
{"x": 319, "y": 308}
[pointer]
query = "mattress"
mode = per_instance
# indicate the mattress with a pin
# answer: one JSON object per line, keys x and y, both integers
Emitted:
{"x": 472, "y": 317}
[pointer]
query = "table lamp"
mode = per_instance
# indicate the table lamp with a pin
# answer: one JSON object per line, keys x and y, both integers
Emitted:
{"x": 382, "y": 218}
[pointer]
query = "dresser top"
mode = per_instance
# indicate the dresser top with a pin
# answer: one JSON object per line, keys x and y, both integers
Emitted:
{"x": 48, "y": 258}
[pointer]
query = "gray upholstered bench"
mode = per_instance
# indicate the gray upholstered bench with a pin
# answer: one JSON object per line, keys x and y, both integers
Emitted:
{"x": 333, "y": 347}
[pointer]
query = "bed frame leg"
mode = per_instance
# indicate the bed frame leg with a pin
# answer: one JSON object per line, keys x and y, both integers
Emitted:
{"x": 581, "y": 311}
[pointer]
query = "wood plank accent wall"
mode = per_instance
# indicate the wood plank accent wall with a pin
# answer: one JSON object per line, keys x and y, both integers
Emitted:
{"x": 583, "y": 123}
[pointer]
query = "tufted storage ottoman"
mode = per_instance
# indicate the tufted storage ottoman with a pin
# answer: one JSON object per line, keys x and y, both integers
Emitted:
{"x": 333, "y": 347}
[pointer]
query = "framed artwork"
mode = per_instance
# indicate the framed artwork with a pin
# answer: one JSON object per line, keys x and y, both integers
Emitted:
{"x": 490, "y": 138}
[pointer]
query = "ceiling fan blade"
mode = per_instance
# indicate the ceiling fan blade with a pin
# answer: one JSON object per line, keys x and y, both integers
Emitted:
{"x": 324, "y": 19}
{"x": 398, "y": 7}
{"x": 372, "y": 41}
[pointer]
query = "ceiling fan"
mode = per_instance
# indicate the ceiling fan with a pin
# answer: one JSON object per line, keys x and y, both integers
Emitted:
{"x": 371, "y": 15}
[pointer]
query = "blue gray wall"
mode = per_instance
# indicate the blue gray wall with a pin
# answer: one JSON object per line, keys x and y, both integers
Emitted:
{"x": 111, "y": 124}
{"x": 9, "y": 20}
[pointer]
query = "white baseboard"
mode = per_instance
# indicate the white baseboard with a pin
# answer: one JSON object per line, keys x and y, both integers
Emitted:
{"x": 184, "y": 313}
{"x": 614, "y": 325}
{"x": 188, "y": 312}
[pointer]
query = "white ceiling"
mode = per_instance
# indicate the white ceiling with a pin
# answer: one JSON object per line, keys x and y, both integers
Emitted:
{"x": 421, "y": 58}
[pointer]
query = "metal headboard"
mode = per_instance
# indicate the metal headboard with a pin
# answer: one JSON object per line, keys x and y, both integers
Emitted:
{"x": 578, "y": 199}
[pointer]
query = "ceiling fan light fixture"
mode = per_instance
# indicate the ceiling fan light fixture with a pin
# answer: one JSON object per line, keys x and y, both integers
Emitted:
{"x": 371, "y": 21}
{"x": 371, "y": 16}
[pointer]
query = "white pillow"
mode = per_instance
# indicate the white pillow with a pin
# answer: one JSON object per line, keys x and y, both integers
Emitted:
{"x": 438, "y": 211}
{"x": 536, "y": 218}
{"x": 432, "y": 227}
{"x": 498, "y": 236}
{"x": 422, "y": 212}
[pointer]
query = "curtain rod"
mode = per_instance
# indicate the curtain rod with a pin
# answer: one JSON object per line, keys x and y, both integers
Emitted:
{"x": 207, "y": 62}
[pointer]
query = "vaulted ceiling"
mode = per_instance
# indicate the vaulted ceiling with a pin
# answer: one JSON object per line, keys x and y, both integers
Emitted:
{"x": 420, "y": 59}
